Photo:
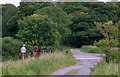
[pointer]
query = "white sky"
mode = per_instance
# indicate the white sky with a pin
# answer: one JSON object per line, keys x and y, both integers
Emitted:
{"x": 16, "y": 2}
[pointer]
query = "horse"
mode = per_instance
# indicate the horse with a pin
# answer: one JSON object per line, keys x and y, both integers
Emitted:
{"x": 34, "y": 54}
{"x": 22, "y": 55}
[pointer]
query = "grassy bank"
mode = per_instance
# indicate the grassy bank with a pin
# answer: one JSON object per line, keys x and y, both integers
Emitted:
{"x": 0, "y": 69}
{"x": 90, "y": 49}
{"x": 46, "y": 64}
{"x": 103, "y": 68}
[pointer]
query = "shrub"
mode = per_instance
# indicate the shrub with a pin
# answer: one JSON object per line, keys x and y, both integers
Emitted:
{"x": 38, "y": 28}
{"x": 110, "y": 40}
{"x": 11, "y": 48}
{"x": 104, "y": 68}
{"x": 114, "y": 55}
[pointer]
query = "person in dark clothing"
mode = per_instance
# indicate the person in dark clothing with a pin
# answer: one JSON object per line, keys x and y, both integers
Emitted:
{"x": 39, "y": 50}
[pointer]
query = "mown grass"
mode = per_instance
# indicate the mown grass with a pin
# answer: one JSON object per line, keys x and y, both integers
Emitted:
{"x": 46, "y": 64}
{"x": 103, "y": 68}
{"x": 89, "y": 49}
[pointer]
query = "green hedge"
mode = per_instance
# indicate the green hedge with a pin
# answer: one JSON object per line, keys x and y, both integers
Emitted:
{"x": 11, "y": 48}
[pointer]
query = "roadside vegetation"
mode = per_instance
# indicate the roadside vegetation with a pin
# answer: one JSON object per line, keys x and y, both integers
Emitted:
{"x": 46, "y": 64}
{"x": 109, "y": 45}
{"x": 90, "y": 49}
{"x": 104, "y": 68}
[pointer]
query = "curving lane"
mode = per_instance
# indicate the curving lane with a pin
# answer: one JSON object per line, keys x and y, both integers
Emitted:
{"x": 88, "y": 60}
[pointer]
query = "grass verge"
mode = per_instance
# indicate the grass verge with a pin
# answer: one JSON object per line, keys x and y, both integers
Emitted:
{"x": 46, "y": 64}
{"x": 0, "y": 69}
{"x": 103, "y": 68}
{"x": 72, "y": 72}
{"x": 90, "y": 49}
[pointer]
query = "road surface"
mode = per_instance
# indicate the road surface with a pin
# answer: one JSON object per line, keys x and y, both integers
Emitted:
{"x": 87, "y": 61}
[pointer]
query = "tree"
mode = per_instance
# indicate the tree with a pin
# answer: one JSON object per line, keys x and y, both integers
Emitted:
{"x": 8, "y": 10}
{"x": 28, "y": 8}
{"x": 103, "y": 12}
{"x": 71, "y": 7}
{"x": 58, "y": 16}
{"x": 110, "y": 40}
{"x": 38, "y": 27}
{"x": 83, "y": 30}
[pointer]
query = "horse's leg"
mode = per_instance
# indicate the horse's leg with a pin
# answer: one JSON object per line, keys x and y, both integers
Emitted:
{"x": 19, "y": 55}
{"x": 25, "y": 56}
{"x": 35, "y": 54}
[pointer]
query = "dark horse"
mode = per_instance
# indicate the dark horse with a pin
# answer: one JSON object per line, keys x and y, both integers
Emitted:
{"x": 22, "y": 55}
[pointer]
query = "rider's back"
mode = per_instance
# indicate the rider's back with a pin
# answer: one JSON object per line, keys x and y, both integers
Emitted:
{"x": 23, "y": 49}
{"x": 36, "y": 48}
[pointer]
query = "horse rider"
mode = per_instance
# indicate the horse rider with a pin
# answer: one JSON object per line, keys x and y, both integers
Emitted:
{"x": 36, "y": 49}
{"x": 39, "y": 50}
{"x": 23, "y": 50}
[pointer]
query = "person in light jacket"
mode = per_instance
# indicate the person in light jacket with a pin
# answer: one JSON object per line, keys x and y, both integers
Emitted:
{"x": 23, "y": 49}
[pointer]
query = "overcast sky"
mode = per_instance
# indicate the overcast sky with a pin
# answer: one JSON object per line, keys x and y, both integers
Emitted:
{"x": 16, "y": 2}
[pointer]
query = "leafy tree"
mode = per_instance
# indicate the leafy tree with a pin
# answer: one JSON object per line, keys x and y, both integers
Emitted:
{"x": 58, "y": 16}
{"x": 8, "y": 10}
{"x": 38, "y": 27}
{"x": 28, "y": 8}
{"x": 83, "y": 30}
{"x": 71, "y": 7}
{"x": 110, "y": 40}
{"x": 103, "y": 12}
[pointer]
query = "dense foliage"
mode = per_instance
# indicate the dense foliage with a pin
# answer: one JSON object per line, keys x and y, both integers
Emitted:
{"x": 58, "y": 16}
{"x": 8, "y": 11}
{"x": 11, "y": 48}
{"x": 83, "y": 30}
{"x": 52, "y": 24}
{"x": 38, "y": 27}
{"x": 109, "y": 45}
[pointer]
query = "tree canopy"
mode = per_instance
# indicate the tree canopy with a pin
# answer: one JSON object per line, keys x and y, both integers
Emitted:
{"x": 73, "y": 22}
{"x": 38, "y": 27}
{"x": 58, "y": 16}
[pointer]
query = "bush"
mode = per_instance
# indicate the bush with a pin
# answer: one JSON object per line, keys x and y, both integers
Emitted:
{"x": 43, "y": 30}
{"x": 11, "y": 48}
{"x": 114, "y": 55}
{"x": 104, "y": 68}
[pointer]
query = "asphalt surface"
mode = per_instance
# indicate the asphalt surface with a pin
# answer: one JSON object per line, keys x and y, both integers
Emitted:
{"x": 87, "y": 61}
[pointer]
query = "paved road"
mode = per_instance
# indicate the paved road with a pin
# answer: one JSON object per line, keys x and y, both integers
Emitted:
{"x": 88, "y": 61}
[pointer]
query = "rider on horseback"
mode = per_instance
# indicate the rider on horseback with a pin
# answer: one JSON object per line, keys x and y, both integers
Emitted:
{"x": 23, "y": 49}
{"x": 36, "y": 48}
